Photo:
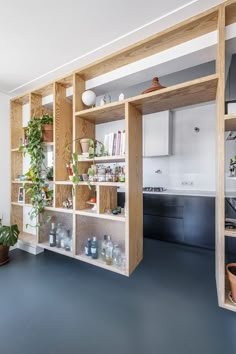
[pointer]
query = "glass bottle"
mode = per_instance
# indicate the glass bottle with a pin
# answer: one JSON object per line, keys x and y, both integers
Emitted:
{"x": 117, "y": 255}
{"x": 52, "y": 236}
{"x": 68, "y": 241}
{"x": 109, "y": 250}
{"x": 87, "y": 248}
{"x": 103, "y": 250}
{"x": 58, "y": 236}
{"x": 94, "y": 248}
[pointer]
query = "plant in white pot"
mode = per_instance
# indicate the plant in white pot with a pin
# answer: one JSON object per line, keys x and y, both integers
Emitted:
{"x": 8, "y": 237}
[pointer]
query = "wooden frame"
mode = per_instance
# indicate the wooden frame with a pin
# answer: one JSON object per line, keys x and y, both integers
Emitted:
{"x": 73, "y": 120}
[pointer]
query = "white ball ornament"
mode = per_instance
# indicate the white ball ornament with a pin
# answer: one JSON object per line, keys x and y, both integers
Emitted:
{"x": 89, "y": 98}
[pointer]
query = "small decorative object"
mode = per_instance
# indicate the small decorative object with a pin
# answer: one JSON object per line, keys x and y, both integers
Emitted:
{"x": 85, "y": 146}
{"x": 94, "y": 248}
{"x": 89, "y": 98}
{"x": 94, "y": 204}
{"x": 103, "y": 101}
{"x": 21, "y": 195}
{"x": 8, "y": 237}
{"x": 231, "y": 272}
{"x": 155, "y": 86}
{"x": 87, "y": 248}
{"x": 52, "y": 236}
{"x": 121, "y": 97}
{"x": 108, "y": 98}
{"x": 68, "y": 203}
{"x": 85, "y": 177}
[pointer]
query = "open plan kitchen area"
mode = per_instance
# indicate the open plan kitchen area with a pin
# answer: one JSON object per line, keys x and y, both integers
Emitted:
{"x": 118, "y": 178}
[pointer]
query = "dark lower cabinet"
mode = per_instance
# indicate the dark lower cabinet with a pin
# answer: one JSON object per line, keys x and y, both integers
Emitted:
{"x": 183, "y": 219}
{"x": 164, "y": 228}
{"x": 187, "y": 220}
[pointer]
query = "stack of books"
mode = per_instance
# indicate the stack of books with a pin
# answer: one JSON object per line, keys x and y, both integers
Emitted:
{"x": 114, "y": 143}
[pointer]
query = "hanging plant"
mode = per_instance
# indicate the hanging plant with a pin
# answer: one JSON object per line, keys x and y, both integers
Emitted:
{"x": 35, "y": 147}
{"x": 92, "y": 153}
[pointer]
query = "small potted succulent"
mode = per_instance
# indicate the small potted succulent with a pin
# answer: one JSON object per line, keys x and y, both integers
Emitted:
{"x": 8, "y": 237}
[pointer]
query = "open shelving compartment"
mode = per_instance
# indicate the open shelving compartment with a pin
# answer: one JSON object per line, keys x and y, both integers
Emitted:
{"x": 87, "y": 227}
{"x": 52, "y": 216}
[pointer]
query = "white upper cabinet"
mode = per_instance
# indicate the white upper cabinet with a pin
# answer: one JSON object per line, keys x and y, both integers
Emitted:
{"x": 157, "y": 134}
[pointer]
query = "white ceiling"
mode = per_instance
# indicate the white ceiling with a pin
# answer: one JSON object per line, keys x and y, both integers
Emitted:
{"x": 42, "y": 40}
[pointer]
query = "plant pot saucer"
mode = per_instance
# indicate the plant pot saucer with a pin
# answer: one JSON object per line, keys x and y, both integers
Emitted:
{"x": 230, "y": 298}
{"x": 6, "y": 261}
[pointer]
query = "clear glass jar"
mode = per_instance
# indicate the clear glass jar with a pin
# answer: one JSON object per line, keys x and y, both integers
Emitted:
{"x": 109, "y": 251}
{"x": 61, "y": 235}
{"x": 117, "y": 255}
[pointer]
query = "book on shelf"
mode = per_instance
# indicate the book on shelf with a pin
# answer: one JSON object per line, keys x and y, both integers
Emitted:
{"x": 114, "y": 143}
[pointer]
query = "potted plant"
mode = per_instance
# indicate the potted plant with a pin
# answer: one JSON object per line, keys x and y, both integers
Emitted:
{"x": 231, "y": 273}
{"x": 35, "y": 148}
{"x": 8, "y": 237}
{"x": 47, "y": 128}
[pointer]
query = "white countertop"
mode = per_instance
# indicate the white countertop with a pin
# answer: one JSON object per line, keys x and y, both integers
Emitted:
{"x": 195, "y": 193}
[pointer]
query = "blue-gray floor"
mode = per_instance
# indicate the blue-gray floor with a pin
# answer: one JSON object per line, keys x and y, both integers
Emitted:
{"x": 52, "y": 304}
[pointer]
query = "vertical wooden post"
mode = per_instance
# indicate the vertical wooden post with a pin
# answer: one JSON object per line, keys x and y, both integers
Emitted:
{"x": 220, "y": 200}
{"x": 134, "y": 184}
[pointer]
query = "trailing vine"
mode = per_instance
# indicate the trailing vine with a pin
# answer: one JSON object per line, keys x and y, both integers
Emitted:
{"x": 35, "y": 147}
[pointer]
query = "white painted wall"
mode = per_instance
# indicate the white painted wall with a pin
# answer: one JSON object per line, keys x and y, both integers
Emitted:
{"x": 5, "y": 158}
{"x": 193, "y": 158}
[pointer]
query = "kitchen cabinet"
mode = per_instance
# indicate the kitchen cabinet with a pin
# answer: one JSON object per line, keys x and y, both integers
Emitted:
{"x": 157, "y": 134}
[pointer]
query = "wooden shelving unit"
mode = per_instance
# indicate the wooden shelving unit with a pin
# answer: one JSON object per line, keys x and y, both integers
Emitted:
{"x": 73, "y": 121}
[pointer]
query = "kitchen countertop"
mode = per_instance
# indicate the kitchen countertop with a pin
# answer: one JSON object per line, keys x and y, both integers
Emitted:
{"x": 196, "y": 193}
{"x": 193, "y": 193}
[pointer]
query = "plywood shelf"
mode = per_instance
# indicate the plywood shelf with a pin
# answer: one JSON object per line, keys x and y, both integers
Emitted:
{"x": 60, "y": 210}
{"x": 16, "y": 150}
{"x": 188, "y": 93}
{"x": 63, "y": 182}
{"x": 105, "y": 184}
{"x": 95, "y": 214}
{"x": 103, "y": 114}
{"x": 27, "y": 238}
{"x": 230, "y": 122}
{"x": 230, "y": 233}
{"x": 100, "y": 263}
{"x": 104, "y": 159}
{"x": 46, "y": 246}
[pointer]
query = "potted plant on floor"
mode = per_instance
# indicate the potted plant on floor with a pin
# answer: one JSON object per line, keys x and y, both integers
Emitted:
{"x": 8, "y": 237}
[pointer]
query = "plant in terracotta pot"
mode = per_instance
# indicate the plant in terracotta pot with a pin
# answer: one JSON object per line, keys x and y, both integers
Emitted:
{"x": 231, "y": 272}
{"x": 8, "y": 237}
{"x": 84, "y": 145}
